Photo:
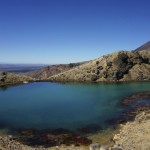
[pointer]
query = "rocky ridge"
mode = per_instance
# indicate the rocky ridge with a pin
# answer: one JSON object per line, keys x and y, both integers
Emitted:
{"x": 118, "y": 66}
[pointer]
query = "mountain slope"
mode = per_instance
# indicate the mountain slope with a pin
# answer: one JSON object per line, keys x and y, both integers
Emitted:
{"x": 45, "y": 72}
{"x": 119, "y": 66}
{"x": 145, "y": 46}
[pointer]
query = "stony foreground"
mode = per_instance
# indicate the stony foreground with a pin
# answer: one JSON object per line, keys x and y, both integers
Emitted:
{"x": 7, "y": 143}
{"x": 135, "y": 135}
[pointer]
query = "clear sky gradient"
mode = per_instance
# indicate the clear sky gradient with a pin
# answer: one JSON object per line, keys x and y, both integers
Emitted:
{"x": 64, "y": 31}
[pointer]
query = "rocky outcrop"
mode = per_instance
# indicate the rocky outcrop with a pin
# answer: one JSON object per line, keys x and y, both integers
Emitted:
{"x": 11, "y": 79}
{"x": 45, "y": 72}
{"x": 118, "y": 66}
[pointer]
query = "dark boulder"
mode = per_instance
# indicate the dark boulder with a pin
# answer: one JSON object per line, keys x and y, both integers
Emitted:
{"x": 4, "y": 73}
{"x": 117, "y": 75}
{"x": 97, "y": 62}
{"x": 96, "y": 71}
{"x": 129, "y": 65}
{"x": 94, "y": 77}
{"x": 100, "y": 68}
{"x": 3, "y": 76}
{"x": 146, "y": 60}
{"x": 109, "y": 63}
{"x": 105, "y": 75}
{"x": 124, "y": 57}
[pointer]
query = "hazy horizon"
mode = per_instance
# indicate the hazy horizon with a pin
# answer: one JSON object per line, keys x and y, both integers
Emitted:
{"x": 69, "y": 31}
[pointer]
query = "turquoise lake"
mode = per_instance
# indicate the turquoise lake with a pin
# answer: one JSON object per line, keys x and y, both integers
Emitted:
{"x": 44, "y": 105}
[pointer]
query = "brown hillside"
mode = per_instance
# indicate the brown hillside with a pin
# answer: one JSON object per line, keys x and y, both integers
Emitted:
{"x": 119, "y": 66}
{"x": 45, "y": 72}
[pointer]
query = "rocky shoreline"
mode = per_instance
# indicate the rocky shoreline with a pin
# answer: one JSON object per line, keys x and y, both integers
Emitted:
{"x": 8, "y": 142}
{"x": 133, "y": 134}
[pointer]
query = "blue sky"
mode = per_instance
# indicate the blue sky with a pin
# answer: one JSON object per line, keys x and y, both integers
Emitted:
{"x": 63, "y": 31}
